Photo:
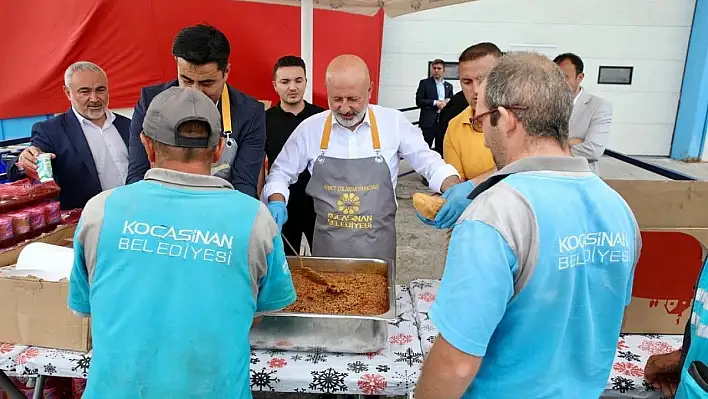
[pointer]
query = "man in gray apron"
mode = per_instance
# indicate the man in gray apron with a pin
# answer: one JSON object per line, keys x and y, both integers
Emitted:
{"x": 361, "y": 222}
{"x": 352, "y": 153}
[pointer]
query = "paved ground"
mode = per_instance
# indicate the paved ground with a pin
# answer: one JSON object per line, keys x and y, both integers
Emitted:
{"x": 420, "y": 247}
{"x": 611, "y": 168}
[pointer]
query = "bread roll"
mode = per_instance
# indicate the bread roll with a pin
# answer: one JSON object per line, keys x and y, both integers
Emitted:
{"x": 427, "y": 205}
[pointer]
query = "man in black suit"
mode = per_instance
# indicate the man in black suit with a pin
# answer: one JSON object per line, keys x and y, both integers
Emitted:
{"x": 88, "y": 143}
{"x": 432, "y": 96}
{"x": 289, "y": 82}
{"x": 202, "y": 55}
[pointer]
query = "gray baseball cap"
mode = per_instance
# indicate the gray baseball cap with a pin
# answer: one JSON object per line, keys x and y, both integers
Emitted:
{"x": 175, "y": 106}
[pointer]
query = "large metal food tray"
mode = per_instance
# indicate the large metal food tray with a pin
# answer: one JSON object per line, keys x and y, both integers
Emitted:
{"x": 332, "y": 333}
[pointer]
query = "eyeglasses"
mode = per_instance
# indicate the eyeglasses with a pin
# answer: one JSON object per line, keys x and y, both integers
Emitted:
{"x": 477, "y": 120}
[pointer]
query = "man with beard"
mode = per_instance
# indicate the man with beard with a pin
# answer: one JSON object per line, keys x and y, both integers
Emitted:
{"x": 352, "y": 153}
{"x": 289, "y": 82}
{"x": 529, "y": 307}
{"x": 202, "y": 56}
{"x": 88, "y": 144}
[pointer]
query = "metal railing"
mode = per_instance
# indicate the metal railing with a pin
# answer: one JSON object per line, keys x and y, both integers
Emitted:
{"x": 659, "y": 170}
{"x": 650, "y": 167}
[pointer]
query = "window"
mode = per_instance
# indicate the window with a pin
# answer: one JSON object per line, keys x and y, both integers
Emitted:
{"x": 451, "y": 71}
{"x": 615, "y": 75}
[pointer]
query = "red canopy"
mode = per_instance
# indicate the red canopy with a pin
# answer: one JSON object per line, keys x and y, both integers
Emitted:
{"x": 132, "y": 39}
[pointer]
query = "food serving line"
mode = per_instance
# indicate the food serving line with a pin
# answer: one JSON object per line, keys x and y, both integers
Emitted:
{"x": 392, "y": 371}
{"x": 362, "y": 340}
{"x": 311, "y": 352}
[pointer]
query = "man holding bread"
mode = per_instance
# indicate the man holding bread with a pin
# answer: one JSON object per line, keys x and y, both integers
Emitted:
{"x": 464, "y": 141}
{"x": 540, "y": 265}
{"x": 352, "y": 153}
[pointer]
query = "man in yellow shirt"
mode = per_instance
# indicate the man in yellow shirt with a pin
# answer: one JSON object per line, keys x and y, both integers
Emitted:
{"x": 464, "y": 144}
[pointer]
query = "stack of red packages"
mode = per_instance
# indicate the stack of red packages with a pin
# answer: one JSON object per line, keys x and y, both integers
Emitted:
{"x": 24, "y": 193}
{"x": 27, "y": 223}
{"x": 27, "y": 210}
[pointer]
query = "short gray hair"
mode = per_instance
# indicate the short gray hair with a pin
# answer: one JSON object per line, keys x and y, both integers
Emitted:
{"x": 534, "y": 81}
{"x": 81, "y": 66}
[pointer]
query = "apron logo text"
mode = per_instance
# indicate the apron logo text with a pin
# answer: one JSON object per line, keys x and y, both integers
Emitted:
{"x": 350, "y": 221}
{"x": 351, "y": 189}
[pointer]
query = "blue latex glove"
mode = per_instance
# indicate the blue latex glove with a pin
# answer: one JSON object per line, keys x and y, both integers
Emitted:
{"x": 425, "y": 220}
{"x": 456, "y": 202}
{"x": 279, "y": 212}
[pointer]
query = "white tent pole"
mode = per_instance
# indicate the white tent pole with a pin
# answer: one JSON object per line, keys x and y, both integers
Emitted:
{"x": 306, "y": 44}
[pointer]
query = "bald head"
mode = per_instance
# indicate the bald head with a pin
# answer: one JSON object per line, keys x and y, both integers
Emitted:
{"x": 347, "y": 67}
{"x": 348, "y": 89}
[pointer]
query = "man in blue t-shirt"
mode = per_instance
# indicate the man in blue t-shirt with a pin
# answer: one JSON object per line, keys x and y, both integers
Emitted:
{"x": 173, "y": 269}
{"x": 684, "y": 373}
{"x": 540, "y": 264}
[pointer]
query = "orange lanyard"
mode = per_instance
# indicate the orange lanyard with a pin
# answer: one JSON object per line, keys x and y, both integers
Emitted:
{"x": 324, "y": 143}
{"x": 226, "y": 115}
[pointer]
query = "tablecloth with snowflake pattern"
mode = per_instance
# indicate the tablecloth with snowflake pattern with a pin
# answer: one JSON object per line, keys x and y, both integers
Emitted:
{"x": 626, "y": 378}
{"x": 392, "y": 371}
{"x": 10, "y": 355}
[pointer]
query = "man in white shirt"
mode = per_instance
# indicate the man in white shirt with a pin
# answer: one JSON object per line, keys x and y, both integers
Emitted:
{"x": 352, "y": 153}
{"x": 592, "y": 116}
{"x": 88, "y": 143}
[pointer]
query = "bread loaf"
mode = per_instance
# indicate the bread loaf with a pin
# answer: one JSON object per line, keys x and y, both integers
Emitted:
{"x": 427, "y": 205}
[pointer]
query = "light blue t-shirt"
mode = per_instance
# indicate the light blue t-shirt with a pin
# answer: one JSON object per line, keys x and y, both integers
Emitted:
{"x": 697, "y": 341}
{"x": 172, "y": 270}
{"x": 538, "y": 273}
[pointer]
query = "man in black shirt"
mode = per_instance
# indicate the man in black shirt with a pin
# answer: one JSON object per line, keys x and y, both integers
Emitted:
{"x": 454, "y": 107}
{"x": 281, "y": 120}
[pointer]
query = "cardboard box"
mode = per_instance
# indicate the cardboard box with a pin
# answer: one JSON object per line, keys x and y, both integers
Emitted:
{"x": 35, "y": 312}
{"x": 673, "y": 218}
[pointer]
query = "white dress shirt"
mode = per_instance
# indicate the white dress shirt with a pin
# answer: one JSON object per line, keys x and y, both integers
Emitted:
{"x": 575, "y": 100}
{"x": 440, "y": 86}
{"x": 398, "y": 138}
{"x": 109, "y": 152}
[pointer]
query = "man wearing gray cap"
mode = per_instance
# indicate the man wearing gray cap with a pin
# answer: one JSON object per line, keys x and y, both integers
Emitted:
{"x": 173, "y": 269}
